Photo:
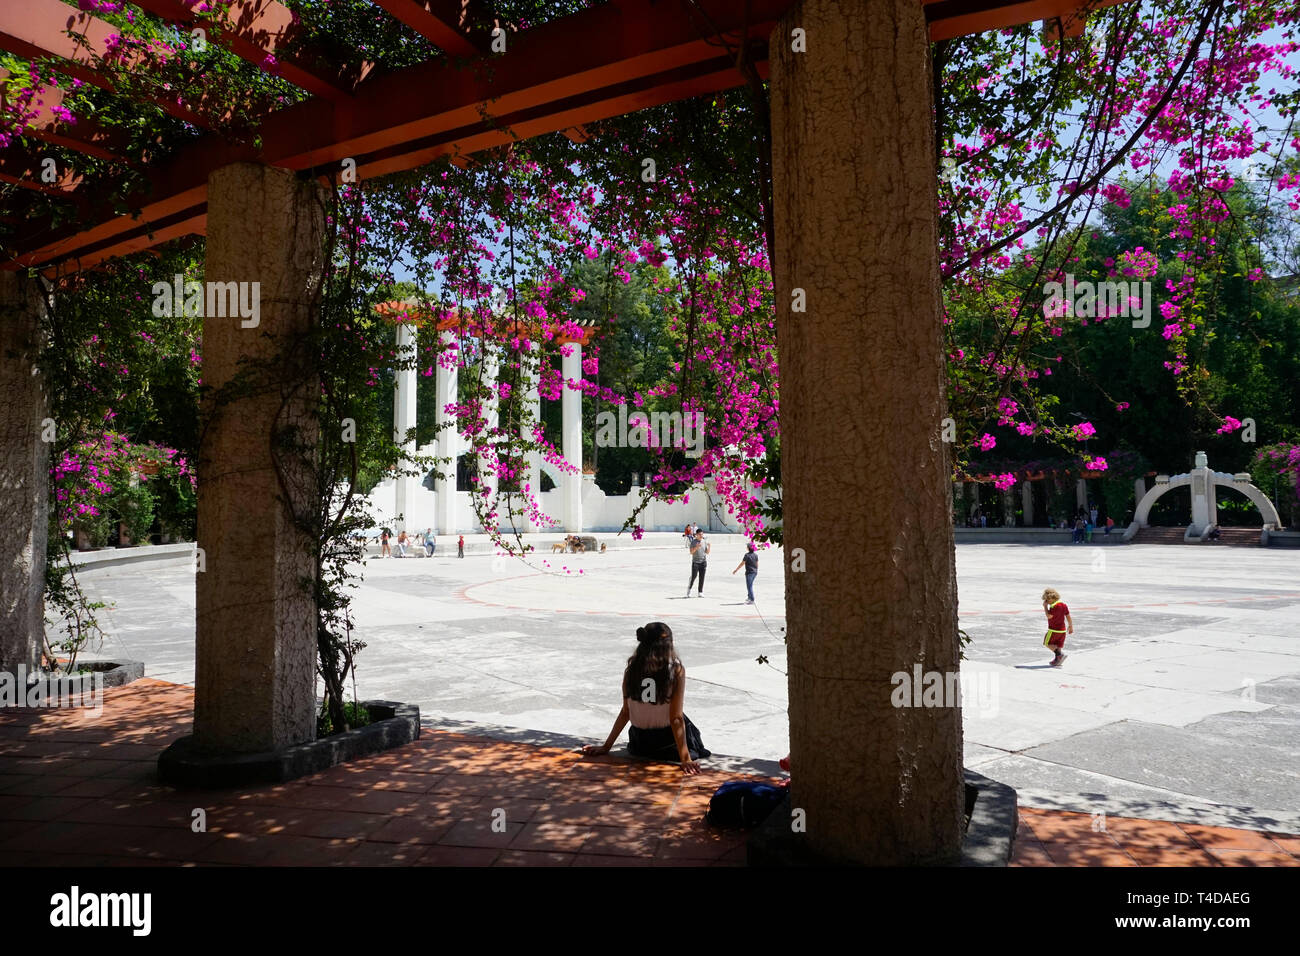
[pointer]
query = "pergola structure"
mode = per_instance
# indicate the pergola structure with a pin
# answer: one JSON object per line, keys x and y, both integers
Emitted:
{"x": 853, "y": 160}
{"x": 406, "y": 317}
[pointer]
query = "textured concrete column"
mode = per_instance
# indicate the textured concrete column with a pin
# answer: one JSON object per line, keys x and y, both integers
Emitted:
{"x": 24, "y": 475}
{"x": 404, "y": 419}
{"x": 1081, "y": 492}
{"x": 1027, "y": 501}
{"x": 571, "y": 439}
{"x": 255, "y": 677}
{"x": 446, "y": 384}
{"x": 862, "y": 400}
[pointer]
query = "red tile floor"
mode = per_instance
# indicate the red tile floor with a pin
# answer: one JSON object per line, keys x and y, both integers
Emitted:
{"x": 78, "y": 791}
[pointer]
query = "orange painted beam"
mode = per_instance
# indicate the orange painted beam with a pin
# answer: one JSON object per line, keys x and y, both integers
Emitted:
{"x": 444, "y": 23}
{"x": 86, "y": 135}
{"x": 35, "y": 29}
{"x": 949, "y": 19}
{"x": 254, "y": 30}
{"x": 21, "y": 168}
{"x": 396, "y": 115}
{"x": 399, "y": 312}
{"x": 605, "y": 61}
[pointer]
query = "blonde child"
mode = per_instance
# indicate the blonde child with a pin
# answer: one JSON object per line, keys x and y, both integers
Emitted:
{"x": 1059, "y": 623}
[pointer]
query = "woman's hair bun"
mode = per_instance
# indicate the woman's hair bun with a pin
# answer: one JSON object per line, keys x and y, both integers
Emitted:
{"x": 640, "y": 634}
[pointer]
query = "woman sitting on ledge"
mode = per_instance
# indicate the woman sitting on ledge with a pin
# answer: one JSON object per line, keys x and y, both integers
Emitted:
{"x": 654, "y": 687}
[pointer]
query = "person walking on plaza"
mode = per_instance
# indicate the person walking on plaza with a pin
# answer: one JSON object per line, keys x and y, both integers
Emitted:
{"x": 699, "y": 562}
{"x": 428, "y": 542}
{"x": 460, "y": 547}
{"x": 1059, "y": 623}
{"x": 384, "y": 550}
{"x": 750, "y": 563}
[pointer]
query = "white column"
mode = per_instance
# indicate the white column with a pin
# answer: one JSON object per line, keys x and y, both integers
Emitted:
{"x": 1139, "y": 491}
{"x": 1204, "y": 511}
{"x": 445, "y": 383}
{"x": 532, "y": 398}
{"x": 492, "y": 413}
{"x": 571, "y": 437}
{"x": 404, "y": 419}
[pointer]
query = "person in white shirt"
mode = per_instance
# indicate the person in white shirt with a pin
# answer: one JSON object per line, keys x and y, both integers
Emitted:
{"x": 654, "y": 691}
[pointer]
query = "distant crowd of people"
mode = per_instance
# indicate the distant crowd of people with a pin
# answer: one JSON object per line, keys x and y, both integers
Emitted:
{"x": 1081, "y": 523}
{"x": 428, "y": 541}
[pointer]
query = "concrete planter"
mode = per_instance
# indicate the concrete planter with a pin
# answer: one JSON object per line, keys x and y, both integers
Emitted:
{"x": 183, "y": 765}
{"x": 113, "y": 674}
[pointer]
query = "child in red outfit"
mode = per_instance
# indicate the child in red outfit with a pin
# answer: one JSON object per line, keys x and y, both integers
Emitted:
{"x": 1059, "y": 623}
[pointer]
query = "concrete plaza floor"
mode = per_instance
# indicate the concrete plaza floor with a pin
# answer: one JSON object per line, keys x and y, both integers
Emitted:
{"x": 84, "y": 792}
{"x": 1180, "y": 699}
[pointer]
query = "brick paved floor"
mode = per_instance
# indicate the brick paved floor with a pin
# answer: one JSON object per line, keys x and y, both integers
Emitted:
{"x": 1055, "y": 838}
{"x": 77, "y": 791}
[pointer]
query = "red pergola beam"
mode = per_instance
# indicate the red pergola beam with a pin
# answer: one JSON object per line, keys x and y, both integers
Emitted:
{"x": 441, "y": 22}
{"x": 85, "y": 136}
{"x": 571, "y": 57}
{"x": 23, "y": 169}
{"x": 255, "y": 30}
{"x": 953, "y": 18}
{"x": 39, "y": 28}
{"x": 605, "y": 61}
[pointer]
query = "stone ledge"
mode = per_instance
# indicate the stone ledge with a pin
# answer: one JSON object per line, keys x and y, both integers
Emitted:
{"x": 988, "y": 840}
{"x": 172, "y": 554}
{"x": 113, "y": 673}
{"x": 182, "y": 765}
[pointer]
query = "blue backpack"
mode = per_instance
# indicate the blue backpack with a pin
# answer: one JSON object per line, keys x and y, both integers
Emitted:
{"x": 743, "y": 803}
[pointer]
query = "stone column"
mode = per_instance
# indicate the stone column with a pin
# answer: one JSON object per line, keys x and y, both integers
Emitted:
{"x": 492, "y": 414}
{"x": 1204, "y": 507}
{"x": 448, "y": 438}
{"x": 1027, "y": 501}
{"x": 571, "y": 438}
{"x": 255, "y": 677}
{"x": 24, "y": 475}
{"x": 1081, "y": 492}
{"x": 404, "y": 420}
{"x": 533, "y": 460}
{"x": 856, "y": 262}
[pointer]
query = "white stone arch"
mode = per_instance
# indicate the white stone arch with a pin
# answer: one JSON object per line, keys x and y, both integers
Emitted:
{"x": 1149, "y": 499}
{"x": 553, "y": 472}
{"x": 1218, "y": 479}
{"x": 1243, "y": 484}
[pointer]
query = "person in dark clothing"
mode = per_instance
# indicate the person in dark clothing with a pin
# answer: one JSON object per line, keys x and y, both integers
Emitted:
{"x": 750, "y": 563}
{"x": 699, "y": 562}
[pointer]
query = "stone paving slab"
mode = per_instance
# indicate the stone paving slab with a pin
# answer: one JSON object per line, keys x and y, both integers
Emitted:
{"x": 1166, "y": 638}
{"x": 78, "y": 792}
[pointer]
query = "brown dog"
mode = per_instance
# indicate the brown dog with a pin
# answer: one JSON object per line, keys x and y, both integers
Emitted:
{"x": 558, "y": 546}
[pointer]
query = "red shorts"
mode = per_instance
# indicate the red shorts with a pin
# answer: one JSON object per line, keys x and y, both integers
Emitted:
{"x": 1055, "y": 639}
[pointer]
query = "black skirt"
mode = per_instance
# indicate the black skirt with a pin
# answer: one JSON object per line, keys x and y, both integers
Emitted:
{"x": 658, "y": 743}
